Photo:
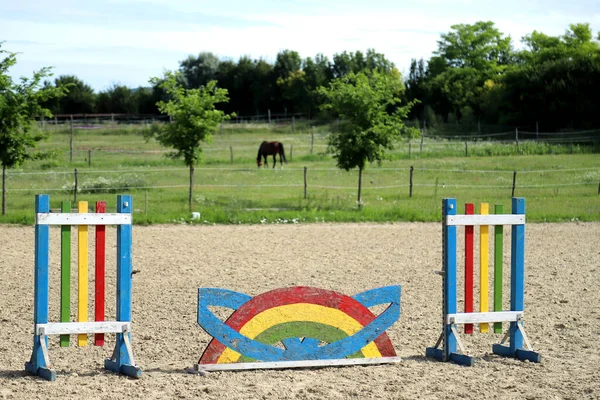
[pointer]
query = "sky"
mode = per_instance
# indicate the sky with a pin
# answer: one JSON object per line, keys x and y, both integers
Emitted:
{"x": 109, "y": 42}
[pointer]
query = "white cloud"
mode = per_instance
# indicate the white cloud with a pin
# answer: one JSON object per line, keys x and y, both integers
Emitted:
{"x": 399, "y": 31}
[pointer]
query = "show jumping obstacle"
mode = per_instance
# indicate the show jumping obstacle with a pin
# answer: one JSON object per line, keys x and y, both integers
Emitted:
{"x": 122, "y": 360}
{"x": 451, "y": 318}
{"x": 297, "y": 327}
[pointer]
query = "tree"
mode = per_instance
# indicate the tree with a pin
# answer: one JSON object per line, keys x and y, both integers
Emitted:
{"x": 194, "y": 119}
{"x": 369, "y": 105}
{"x": 117, "y": 99}
{"x": 288, "y": 78}
{"x": 556, "y": 81}
{"x": 20, "y": 104}
{"x": 473, "y": 55}
{"x": 80, "y": 99}
{"x": 198, "y": 70}
{"x": 480, "y": 46}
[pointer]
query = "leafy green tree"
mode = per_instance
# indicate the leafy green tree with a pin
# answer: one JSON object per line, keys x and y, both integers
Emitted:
{"x": 80, "y": 98}
{"x": 198, "y": 70}
{"x": 20, "y": 104}
{"x": 556, "y": 81}
{"x": 194, "y": 119}
{"x": 145, "y": 100}
{"x": 289, "y": 82}
{"x": 317, "y": 73}
{"x": 472, "y": 54}
{"x": 415, "y": 88}
{"x": 480, "y": 46}
{"x": 369, "y": 104}
{"x": 117, "y": 99}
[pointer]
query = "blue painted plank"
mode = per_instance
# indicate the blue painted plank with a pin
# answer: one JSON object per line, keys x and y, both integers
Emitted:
{"x": 37, "y": 365}
{"x": 449, "y": 291}
{"x": 517, "y": 273}
{"x": 124, "y": 285}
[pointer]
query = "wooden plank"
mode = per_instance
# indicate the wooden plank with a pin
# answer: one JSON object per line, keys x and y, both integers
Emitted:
{"x": 124, "y": 281}
{"x": 65, "y": 272}
{"x": 485, "y": 317}
{"x": 469, "y": 229}
{"x": 504, "y": 219}
{"x": 82, "y": 273}
{"x": 517, "y": 273}
{"x": 498, "y": 260}
{"x": 483, "y": 266}
{"x": 41, "y": 288}
{"x": 73, "y": 328}
{"x": 298, "y": 364}
{"x": 82, "y": 219}
{"x": 449, "y": 264}
{"x": 99, "y": 284}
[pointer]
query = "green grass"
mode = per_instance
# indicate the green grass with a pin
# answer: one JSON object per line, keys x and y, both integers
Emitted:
{"x": 560, "y": 182}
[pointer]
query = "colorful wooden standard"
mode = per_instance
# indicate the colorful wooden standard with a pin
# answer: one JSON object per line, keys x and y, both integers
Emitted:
{"x": 122, "y": 360}
{"x": 516, "y": 333}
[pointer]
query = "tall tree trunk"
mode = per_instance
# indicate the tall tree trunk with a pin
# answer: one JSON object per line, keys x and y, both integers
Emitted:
{"x": 3, "y": 190}
{"x": 191, "y": 186}
{"x": 360, "y": 170}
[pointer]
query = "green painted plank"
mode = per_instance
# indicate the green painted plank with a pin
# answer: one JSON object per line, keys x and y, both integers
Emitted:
{"x": 498, "y": 252}
{"x": 65, "y": 272}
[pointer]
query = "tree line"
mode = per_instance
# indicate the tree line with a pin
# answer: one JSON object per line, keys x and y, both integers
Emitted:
{"x": 476, "y": 76}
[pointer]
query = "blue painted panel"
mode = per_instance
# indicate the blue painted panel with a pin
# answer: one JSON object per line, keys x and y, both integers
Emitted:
{"x": 517, "y": 273}
{"x": 124, "y": 269}
{"x": 264, "y": 352}
{"x": 382, "y": 295}
{"x": 449, "y": 265}
{"x": 41, "y": 284}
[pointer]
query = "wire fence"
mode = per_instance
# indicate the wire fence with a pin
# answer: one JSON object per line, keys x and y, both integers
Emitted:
{"x": 82, "y": 180}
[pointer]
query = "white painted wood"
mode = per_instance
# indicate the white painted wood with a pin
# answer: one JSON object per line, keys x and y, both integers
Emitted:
{"x": 297, "y": 364}
{"x": 486, "y": 317}
{"x": 83, "y": 219}
{"x": 491, "y": 219}
{"x": 71, "y": 328}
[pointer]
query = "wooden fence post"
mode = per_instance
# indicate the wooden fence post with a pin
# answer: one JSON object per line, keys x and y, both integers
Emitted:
{"x": 514, "y": 183}
{"x": 305, "y": 182}
{"x": 411, "y": 180}
{"x": 71, "y": 140}
{"x": 75, "y": 188}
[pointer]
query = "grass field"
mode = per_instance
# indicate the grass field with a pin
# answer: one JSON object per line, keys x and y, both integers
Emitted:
{"x": 560, "y": 182}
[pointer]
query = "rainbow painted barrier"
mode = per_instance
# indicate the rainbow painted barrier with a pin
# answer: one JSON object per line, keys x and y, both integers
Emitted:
{"x": 297, "y": 327}
{"x": 122, "y": 360}
{"x": 451, "y": 318}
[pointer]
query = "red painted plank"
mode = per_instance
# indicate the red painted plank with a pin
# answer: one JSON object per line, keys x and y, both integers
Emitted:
{"x": 295, "y": 295}
{"x": 469, "y": 210}
{"x": 100, "y": 271}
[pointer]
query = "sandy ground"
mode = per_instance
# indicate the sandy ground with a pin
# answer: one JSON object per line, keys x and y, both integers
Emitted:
{"x": 562, "y": 308}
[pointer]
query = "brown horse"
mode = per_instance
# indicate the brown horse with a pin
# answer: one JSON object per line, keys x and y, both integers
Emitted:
{"x": 270, "y": 148}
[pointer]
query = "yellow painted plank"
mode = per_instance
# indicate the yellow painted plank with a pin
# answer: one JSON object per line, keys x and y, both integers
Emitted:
{"x": 483, "y": 266}
{"x": 82, "y": 274}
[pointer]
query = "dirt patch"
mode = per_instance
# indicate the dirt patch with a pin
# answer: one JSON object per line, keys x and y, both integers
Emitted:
{"x": 562, "y": 314}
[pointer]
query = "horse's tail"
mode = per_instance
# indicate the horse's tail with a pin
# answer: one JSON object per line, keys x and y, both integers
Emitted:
{"x": 282, "y": 152}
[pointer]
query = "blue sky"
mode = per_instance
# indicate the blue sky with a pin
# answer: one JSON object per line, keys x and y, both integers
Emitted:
{"x": 129, "y": 41}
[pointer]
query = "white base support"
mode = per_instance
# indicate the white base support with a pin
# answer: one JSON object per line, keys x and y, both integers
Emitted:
{"x": 491, "y": 219}
{"x": 484, "y": 317}
{"x": 83, "y": 219}
{"x": 297, "y": 364}
{"x": 73, "y": 328}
